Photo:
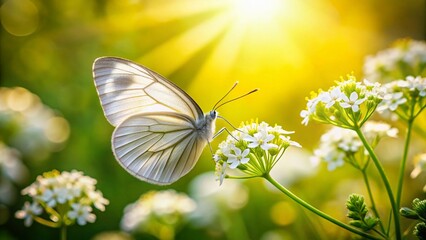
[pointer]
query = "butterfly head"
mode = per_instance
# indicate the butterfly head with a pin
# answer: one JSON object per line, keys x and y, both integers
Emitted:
{"x": 213, "y": 114}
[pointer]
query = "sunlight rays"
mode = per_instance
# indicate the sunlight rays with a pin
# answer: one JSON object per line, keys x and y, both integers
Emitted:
{"x": 218, "y": 42}
{"x": 257, "y": 10}
{"x": 180, "y": 48}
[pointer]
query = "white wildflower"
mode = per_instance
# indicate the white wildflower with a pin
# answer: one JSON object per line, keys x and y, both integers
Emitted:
{"x": 331, "y": 97}
{"x": 352, "y": 102}
{"x": 72, "y": 191}
{"x": 337, "y": 105}
{"x": 260, "y": 139}
{"x": 81, "y": 213}
{"x": 261, "y": 142}
{"x": 237, "y": 157}
{"x": 28, "y": 212}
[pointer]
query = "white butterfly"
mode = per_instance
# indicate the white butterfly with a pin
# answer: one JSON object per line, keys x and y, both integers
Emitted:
{"x": 160, "y": 130}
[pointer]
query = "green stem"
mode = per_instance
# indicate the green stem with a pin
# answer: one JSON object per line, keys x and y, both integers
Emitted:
{"x": 63, "y": 232}
{"x": 385, "y": 180}
{"x": 403, "y": 163}
{"x": 373, "y": 204}
{"x": 241, "y": 177}
{"x": 316, "y": 211}
{"x": 46, "y": 222}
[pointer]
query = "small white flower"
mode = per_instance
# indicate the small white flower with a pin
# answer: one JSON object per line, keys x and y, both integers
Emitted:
{"x": 221, "y": 171}
{"x": 98, "y": 200}
{"x": 349, "y": 145}
{"x": 81, "y": 213}
{"x": 290, "y": 142}
{"x": 28, "y": 212}
{"x": 409, "y": 83}
{"x": 391, "y": 101}
{"x": 419, "y": 165}
{"x": 278, "y": 129}
{"x": 239, "y": 157}
{"x": 261, "y": 139}
{"x": 374, "y": 89}
{"x": 333, "y": 158}
{"x": 331, "y": 97}
{"x": 55, "y": 196}
{"x": 311, "y": 108}
{"x": 225, "y": 147}
{"x": 305, "y": 114}
{"x": 352, "y": 102}
{"x": 333, "y": 146}
{"x": 374, "y": 129}
{"x": 216, "y": 157}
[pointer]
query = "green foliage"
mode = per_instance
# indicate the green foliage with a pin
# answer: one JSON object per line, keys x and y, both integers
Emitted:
{"x": 358, "y": 212}
{"x": 420, "y": 231}
{"x": 420, "y": 207}
{"x": 418, "y": 212}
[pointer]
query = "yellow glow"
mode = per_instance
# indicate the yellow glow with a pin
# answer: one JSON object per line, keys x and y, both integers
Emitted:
{"x": 182, "y": 47}
{"x": 257, "y": 10}
{"x": 283, "y": 213}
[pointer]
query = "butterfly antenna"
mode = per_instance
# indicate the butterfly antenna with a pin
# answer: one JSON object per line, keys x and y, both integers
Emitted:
{"x": 252, "y": 91}
{"x": 232, "y": 88}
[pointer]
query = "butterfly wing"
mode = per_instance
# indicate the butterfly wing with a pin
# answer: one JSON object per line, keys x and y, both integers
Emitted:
{"x": 126, "y": 88}
{"x": 158, "y": 147}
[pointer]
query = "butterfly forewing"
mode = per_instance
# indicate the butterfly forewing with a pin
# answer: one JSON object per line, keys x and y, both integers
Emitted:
{"x": 158, "y": 147}
{"x": 126, "y": 88}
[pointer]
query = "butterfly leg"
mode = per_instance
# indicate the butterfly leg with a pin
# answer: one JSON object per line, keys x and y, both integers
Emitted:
{"x": 217, "y": 134}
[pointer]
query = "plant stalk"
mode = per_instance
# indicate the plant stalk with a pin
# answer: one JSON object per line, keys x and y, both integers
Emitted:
{"x": 385, "y": 180}
{"x": 316, "y": 211}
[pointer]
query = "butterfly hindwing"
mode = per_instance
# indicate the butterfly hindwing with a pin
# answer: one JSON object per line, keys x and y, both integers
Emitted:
{"x": 126, "y": 88}
{"x": 158, "y": 147}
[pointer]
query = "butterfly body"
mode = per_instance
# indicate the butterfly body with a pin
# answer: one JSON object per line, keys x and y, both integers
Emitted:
{"x": 160, "y": 130}
{"x": 206, "y": 127}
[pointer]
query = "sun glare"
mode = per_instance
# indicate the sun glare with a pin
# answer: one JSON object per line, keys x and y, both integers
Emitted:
{"x": 257, "y": 10}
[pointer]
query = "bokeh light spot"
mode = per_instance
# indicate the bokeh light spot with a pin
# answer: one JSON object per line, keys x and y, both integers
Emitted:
{"x": 19, "y": 99}
{"x": 57, "y": 129}
{"x": 283, "y": 213}
{"x": 19, "y": 17}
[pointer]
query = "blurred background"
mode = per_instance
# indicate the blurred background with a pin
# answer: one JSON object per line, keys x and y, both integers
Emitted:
{"x": 52, "y": 118}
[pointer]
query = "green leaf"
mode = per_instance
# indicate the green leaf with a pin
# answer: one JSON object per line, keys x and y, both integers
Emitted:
{"x": 358, "y": 212}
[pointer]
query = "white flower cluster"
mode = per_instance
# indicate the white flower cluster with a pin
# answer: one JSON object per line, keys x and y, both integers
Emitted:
{"x": 253, "y": 145}
{"x": 407, "y": 57}
{"x": 340, "y": 145}
{"x": 157, "y": 208}
{"x": 66, "y": 197}
{"x": 404, "y": 97}
{"x": 348, "y": 103}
